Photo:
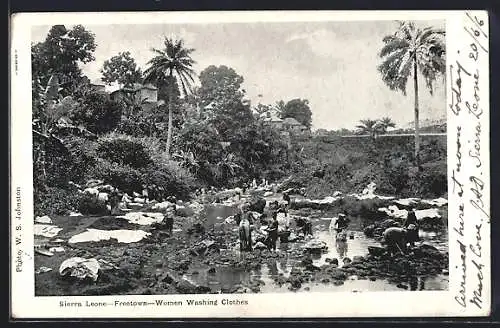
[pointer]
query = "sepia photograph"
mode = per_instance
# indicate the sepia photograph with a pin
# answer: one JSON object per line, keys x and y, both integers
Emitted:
{"x": 239, "y": 158}
{"x": 250, "y": 164}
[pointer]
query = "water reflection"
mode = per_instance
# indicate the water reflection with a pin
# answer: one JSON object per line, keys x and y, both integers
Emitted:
{"x": 341, "y": 245}
{"x": 354, "y": 243}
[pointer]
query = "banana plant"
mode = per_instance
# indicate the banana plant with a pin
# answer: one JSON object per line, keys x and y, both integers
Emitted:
{"x": 52, "y": 118}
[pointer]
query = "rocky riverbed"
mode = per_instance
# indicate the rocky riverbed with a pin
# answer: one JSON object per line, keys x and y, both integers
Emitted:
{"x": 202, "y": 255}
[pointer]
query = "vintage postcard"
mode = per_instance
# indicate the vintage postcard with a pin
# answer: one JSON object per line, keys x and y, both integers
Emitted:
{"x": 250, "y": 164}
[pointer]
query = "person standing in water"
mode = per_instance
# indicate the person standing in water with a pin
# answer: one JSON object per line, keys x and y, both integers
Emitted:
{"x": 286, "y": 199}
{"x": 411, "y": 225}
{"x": 272, "y": 231}
{"x": 341, "y": 223}
{"x": 169, "y": 215}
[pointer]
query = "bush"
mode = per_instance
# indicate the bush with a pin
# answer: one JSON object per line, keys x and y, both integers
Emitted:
{"x": 55, "y": 201}
{"x": 174, "y": 179}
{"x": 123, "y": 177}
{"x": 89, "y": 204}
{"x": 83, "y": 158}
{"x": 97, "y": 113}
{"x": 126, "y": 151}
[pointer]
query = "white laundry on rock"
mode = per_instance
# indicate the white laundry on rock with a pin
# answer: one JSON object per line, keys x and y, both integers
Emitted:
{"x": 43, "y": 219}
{"x": 436, "y": 202}
{"x": 407, "y": 201}
{"x": 46, "y": 230}
{"x": 123, "y": 236}
{"x": 394, "y": 211}
{"x": 428, "y": 213}
{"x": 142, "y": 218}
{"x": 80, "y": 268}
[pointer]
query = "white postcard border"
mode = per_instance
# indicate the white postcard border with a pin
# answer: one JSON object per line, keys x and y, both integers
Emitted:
{"x": 339, "y": 304}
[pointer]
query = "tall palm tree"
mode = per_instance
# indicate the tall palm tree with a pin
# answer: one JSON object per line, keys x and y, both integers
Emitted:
{"x": 407, "y": 51}
{"x": 171, "y": 64}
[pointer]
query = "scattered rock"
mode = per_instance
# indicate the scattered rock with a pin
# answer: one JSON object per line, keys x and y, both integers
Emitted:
{"x": 185, "y": 287}
{"x": 402, "y": 286}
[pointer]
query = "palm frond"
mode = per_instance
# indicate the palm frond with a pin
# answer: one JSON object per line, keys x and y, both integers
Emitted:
{"x": 394, "y": 70}
{"x": 393, "y": 45}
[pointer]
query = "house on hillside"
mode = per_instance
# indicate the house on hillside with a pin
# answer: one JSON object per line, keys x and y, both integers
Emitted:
{"x": 293, "y": 126}
{"x": 98, "y": 86}
{"x": 272, "y": 119}
{"x": 143, "y": 92}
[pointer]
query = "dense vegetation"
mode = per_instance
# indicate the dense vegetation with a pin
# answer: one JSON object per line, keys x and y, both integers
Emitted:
{"x": 195, "y": 135}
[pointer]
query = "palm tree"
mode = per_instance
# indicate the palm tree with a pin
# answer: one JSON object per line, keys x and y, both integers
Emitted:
{"x": 368, "y": 127}
{"x": 405, "y": 52}
{"x": 171, "y": 64}
{"x": 385, "y": 123}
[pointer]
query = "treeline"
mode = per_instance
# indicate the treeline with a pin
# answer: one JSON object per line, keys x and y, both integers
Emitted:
{"x": 190, "y": 137}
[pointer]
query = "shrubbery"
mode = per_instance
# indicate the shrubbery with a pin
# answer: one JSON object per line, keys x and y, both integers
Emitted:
{"x": 55, "y": 201}
{"x": 97, "y": 113}
{"x": 129, "y": 163}
{"x": 126, "y": 151}
{"x": 121, "y": 176}
{"x": 88, "y": 204}
{"x": 349, "y": 166}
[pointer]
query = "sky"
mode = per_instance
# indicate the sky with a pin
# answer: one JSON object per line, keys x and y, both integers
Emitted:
{"x": 332, "y": 64}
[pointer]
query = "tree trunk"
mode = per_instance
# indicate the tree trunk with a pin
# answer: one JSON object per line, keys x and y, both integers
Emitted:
{"x": 417, "y": 128}
{"x": 169, "y": 130}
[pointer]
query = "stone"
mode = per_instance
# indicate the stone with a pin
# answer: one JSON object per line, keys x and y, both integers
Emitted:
{"x": 186, "y": 287}
{"x": 358, "y": 259}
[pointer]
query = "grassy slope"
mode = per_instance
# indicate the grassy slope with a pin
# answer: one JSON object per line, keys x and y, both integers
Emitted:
{"x": 349, "y": 164}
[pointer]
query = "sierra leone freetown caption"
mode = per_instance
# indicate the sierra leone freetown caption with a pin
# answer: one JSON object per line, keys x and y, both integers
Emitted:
{"x": 157, "y": 302}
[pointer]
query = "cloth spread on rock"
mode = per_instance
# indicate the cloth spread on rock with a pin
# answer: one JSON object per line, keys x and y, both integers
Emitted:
{"x": 80, "y": 268}
{"x": 123, "y": 236}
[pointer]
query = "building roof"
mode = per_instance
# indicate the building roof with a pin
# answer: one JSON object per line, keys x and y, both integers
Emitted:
{"x": 272, "y": 119}
{"x": 137, "y": 86}
{"x": 98, "y": 83}
{"x": 290, "y": 121}
{"x": 112, "y": 88}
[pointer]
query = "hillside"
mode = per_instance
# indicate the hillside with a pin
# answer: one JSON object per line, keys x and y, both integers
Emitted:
{"x": 325, "y": 165}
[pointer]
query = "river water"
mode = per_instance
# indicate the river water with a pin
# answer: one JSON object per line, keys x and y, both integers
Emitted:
{"x": 357, "y": 243}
